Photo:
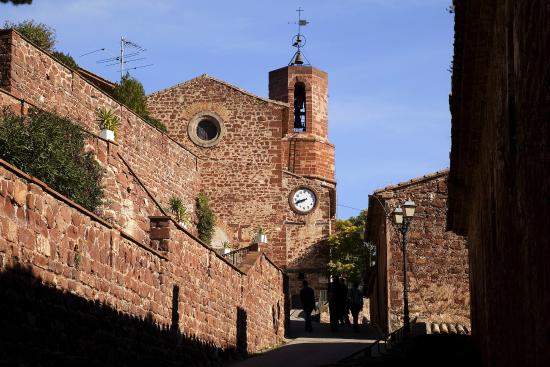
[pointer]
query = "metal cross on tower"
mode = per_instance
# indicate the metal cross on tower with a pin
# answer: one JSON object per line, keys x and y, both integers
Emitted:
{"x": 299, "y": 41}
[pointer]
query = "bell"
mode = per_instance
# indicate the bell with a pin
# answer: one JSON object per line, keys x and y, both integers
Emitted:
{"x": 297, "y": 59}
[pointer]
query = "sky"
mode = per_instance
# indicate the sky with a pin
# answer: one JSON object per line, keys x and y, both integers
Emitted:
{"x": 388, "y": 63}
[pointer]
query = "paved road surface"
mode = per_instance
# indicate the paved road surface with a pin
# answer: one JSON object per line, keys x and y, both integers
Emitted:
{"x": 312, "y": 349}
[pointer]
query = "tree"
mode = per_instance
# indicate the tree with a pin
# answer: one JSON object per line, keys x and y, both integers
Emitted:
{"x": 349, "y": 254}
{"x": 131, "y": 93}
{"x": 17, "y": 2}
{"x": 38, "y": 33}
{"x": 44, "y": 37}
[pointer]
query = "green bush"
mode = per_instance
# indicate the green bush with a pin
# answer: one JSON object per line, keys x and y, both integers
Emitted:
{"x": 51, "y": 148}
{"x": 44, "y": 37}
{"x": 178, "y": 209}
{"x": 206, "y": 219}
{"x": 156, "y": 123}
{"x": 38, "y": 33}
{"x": 65, "y": 59}
{"x": 131, "y": 93}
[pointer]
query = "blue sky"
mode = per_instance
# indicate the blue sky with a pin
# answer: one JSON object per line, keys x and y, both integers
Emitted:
{"x": 387, "y": 61}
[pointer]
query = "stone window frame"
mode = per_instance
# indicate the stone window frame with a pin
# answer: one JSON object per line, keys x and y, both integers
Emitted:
{"x": 194, "y": 122}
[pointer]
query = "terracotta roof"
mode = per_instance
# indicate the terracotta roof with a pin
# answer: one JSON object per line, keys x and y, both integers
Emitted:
{"x": 413, "y": 181}
{"x": 206, "y": 76}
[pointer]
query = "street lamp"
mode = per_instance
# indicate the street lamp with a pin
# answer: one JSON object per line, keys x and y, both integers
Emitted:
{"x": 402, "y": 220}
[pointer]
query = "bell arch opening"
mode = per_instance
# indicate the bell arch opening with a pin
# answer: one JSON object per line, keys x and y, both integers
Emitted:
{"x": 299, "y": 107}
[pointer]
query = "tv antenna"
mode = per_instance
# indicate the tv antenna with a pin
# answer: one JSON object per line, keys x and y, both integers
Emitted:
{"x": 299, "y": 41}
{"x": 129, "y": 52}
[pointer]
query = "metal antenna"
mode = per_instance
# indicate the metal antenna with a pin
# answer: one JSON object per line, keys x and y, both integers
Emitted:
{"x": 299, "y": 41}
{"x": 128, "y": 52}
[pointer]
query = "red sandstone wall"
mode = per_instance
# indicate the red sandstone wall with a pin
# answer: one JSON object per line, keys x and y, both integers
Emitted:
{"x": 306, "y": 249}
{"x": 143, "y": 170}
{"x": 438, "y": 259}
{"x": 164, "y": 167}
{"x": 76, "y": 251}
{"x": 242, "y": 173}
{"x": 305, "y": 153}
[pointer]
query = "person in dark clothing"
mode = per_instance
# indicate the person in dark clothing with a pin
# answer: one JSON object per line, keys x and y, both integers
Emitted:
{"x": 355, "y": 304}
{"x": 332, "y": 301}
{"x": 307, "y": 298}
{"x": 341, "y": 302}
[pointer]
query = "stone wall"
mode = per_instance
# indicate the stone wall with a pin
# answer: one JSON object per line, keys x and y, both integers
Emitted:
{"x": 163, "y": 166}
{"x": 108, "y": 256}
{"x": 437, "y": 259}
{"x": 499, "y": 182}
{"x": 242, "y": 172}
{"x": 307, "y": 252}
{"x": 73, "y": 250}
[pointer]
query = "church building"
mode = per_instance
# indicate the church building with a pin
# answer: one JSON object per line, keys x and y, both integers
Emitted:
{"x": 266, "y": 164}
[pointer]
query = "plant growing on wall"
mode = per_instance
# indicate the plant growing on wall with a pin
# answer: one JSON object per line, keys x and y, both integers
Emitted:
{"x": 108, "y": 120}
{"x": 51, "y": 148}
{"x": 131, "y": 93}
{"x": 206, "y": 220}
{"x": 178, "y": 209}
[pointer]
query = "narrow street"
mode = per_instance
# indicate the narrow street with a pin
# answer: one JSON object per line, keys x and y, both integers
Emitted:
{"x": 318, "y": 348}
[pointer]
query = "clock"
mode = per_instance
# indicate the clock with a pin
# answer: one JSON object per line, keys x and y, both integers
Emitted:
{"x": 303, "y": 200}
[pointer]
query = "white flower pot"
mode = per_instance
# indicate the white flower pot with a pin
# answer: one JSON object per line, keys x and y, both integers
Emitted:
{"x": 261, "y": 238}
{"x": 226, "y": 250}
{"x": 107, "y": 134}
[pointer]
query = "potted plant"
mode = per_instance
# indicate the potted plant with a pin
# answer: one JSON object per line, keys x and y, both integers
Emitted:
{"x": 108, "y": 123}
{"x": 180, "y": 212}
{"x": 226, "y": 247}
{"x": 261, "y": 236}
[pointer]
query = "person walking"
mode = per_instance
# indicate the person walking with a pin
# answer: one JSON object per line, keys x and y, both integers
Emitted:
{"x": 332, "y": 302}
{"x": 355, "y": 304}
{"x": 307, "y": 298}
{"x": 342, "y": 301}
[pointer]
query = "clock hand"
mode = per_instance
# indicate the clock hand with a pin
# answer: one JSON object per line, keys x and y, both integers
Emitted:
{"x": 300, "y": 201}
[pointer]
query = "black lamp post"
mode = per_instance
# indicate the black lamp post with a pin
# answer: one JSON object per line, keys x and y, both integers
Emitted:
{"x": 403, "y": 220}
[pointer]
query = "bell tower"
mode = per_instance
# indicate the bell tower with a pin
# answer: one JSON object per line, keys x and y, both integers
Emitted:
{"x": 307, "y": 150}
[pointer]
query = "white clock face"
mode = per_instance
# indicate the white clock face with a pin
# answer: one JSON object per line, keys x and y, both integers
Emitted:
{"x": 304, "y": 200}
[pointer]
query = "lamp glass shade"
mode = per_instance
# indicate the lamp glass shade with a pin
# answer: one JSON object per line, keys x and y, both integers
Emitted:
{"x": 409, "y": 206}
{"x": 398, "y": 215}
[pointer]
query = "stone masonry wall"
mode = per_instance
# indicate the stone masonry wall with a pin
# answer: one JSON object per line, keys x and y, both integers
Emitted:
{"x": 242, "y": 172}
{"x": 306, "y": 234}
{"x": 162, "y": 165}
{"x": 143, "y": 170}
{"x": 499, "y": 181}
{"x": 438, "y": 259}
{"x": 78, "y": 252}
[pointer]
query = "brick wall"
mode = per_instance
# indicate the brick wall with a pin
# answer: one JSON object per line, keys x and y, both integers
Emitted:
{"x": 306, "y": 153}
{"x": 437, "y": 259}
{"x": 75, "y": 251}
{"x": 499, "y": 183}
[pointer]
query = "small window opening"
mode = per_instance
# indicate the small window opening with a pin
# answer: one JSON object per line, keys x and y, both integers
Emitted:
{"x": 299, "y": 107}
{"x": 207, "y": 130}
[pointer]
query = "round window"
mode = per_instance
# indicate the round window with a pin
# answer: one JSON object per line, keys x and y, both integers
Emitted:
{"x": 205, "y": 129}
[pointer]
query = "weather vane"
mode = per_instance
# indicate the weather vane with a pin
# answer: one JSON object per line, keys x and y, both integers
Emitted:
{"x": 299, "y": 41}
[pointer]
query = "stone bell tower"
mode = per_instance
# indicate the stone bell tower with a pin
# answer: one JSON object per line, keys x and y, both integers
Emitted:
{"x": 305, "y": 89}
